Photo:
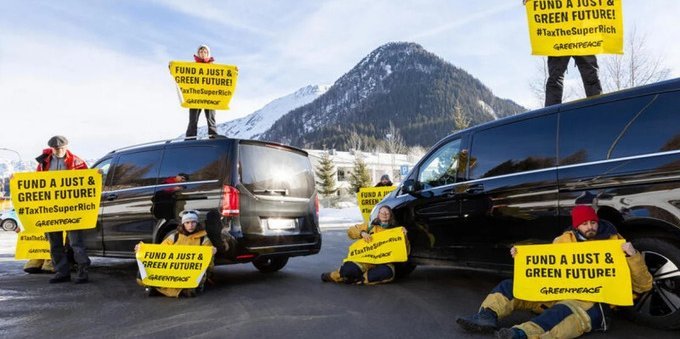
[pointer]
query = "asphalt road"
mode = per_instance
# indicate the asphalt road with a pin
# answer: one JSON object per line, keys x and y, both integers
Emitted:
{"x": 245, "y": 303}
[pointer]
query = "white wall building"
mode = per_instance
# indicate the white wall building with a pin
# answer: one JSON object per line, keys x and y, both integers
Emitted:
{"x": 377, "y": 163}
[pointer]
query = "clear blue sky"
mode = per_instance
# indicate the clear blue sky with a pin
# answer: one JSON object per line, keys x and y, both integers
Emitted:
{"x": 96, "y": 71}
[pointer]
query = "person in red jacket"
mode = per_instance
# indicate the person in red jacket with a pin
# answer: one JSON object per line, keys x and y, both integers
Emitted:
{"x": 57, "y": 158}
{"x": 202, "y": 57}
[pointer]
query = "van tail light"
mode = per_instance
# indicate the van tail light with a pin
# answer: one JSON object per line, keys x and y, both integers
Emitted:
{"x": 316, "y": 205}
{"x": 230, "y": 201}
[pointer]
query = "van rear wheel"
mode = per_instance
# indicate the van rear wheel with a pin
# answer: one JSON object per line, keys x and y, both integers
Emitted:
{"x": 660, "y": 307}
{"x": 270, "y": 264}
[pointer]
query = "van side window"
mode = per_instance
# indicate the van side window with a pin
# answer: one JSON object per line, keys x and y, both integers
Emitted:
{"x": 136, "y": 170}
{"x": 521, "y": 146}
{"x": 587, "y": 134}
{"x": 443, "y": 167}
{"x": 655, "y": 130}
{"x": 197, "y": 163}
{"x": 104, "y": 166}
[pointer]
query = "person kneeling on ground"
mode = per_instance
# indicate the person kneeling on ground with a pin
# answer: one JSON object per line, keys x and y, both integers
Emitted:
{"x": 361, "y": 273}
{"x": 561, "y": 318}
{"x": 191, "y": 233}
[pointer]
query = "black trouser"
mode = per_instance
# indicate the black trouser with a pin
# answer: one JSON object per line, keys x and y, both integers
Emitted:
{"x": 194, "y": 113}
{"x": 59, "y": 256}
{"x": 587, "y": 66}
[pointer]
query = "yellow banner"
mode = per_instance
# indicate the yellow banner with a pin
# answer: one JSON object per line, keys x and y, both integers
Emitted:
{"x": 385, "y": 247}
{"x": 57, "y": 200}
{"x": 32, "y": 246}
{"x": 368, "y": 197}
{"x": 202, "y": 85}
{"x": 575, "y": 27}
{"x": 175, "y": 266}
{"x": 592, "y": 271}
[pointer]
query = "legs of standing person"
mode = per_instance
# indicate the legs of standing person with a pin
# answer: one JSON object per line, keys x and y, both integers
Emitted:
{"x": 59, "y": 258}
{"x": 210, "y": 118}
{"x": 194, "y": 113}
{"x": 587, "y": 66}
{"x": 77, "y": 241}
{"x": 555, "y": 84}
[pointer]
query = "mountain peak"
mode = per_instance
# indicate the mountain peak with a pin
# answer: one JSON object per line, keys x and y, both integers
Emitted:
{"x": 253, "y": 125}
{"x": 398, "y": 85}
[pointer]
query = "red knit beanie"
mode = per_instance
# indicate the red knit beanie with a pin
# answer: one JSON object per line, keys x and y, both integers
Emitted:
{"x": 581, "y": 214}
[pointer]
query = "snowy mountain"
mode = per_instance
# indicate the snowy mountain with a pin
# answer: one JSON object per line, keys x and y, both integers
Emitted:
{"x": 256, "y": 123}
{"x": 399, "y": 84}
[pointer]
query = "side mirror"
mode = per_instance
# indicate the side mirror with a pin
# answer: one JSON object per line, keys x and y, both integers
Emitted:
{"x": 409, "y": 187}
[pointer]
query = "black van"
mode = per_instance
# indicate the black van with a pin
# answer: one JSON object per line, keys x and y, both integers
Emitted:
{"x": 481, "y": 190}
{"x": 257, "y": 199}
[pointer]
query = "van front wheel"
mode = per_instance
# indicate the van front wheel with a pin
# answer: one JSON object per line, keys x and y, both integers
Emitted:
{"x": 270, "y": 264}
{"x": 659, "y": 307}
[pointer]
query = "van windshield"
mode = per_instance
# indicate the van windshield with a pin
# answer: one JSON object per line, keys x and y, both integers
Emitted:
{"x": 267, "y": 170}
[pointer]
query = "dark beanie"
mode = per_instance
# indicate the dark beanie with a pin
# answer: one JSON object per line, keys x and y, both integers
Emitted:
{"x": 581, "y": 214}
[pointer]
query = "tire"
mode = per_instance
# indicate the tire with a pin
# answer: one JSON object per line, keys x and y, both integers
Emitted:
{"x": 9, "y": 225}
{"x": 660, "y": 307}
{"x": 270, "y": 264}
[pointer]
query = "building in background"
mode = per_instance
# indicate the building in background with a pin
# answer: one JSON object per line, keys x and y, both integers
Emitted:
{"x": 394, "y": 165}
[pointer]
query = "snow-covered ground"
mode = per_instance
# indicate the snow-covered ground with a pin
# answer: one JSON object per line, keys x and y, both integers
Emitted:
{"x": 339, "y": 217}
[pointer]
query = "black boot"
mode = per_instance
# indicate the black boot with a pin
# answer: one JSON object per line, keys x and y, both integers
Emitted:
{"x": 511, "y": 333}
{"x": 60, "y": 278}
{"x": 485, "y": 321}
{"x": 82, "y": 276}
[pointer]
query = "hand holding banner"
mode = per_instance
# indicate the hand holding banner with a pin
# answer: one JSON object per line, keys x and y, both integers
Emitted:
{"x": 53, "y": 201}
{"x": 174, "y": 266}
{"x": 592, "y": 270}
{"x": 386, "y": 247}
{"x": 204, "y": 85}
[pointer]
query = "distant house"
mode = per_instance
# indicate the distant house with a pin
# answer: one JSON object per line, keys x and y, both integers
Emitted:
{"x": 377, "y": 163}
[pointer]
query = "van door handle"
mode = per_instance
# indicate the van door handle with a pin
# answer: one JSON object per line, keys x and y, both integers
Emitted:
{"x": 111, "y": 196}
{"x": 475, "y": 189}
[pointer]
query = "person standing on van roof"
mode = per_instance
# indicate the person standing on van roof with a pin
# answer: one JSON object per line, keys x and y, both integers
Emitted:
{"x": 565, "y": 318}
{"x": 189, "y": 233}
{"x": 384, "y": 181}
{"x": 557, "y": 65}
{"x": 361, "y": 273}
{"x": 202, "y": 57}
{"x": 57, "y": 158}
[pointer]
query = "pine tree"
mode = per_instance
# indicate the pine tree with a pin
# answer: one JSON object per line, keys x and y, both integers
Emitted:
{"x": 360, "y": 176}
{"x": 460, "y": 121}
{"x": 326, "y": 172}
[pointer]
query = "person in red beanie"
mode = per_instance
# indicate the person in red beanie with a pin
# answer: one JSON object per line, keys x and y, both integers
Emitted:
{"x": 560, "y": 318}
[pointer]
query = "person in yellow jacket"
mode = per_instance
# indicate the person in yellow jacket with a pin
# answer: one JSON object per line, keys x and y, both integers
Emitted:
{"x": 189, "y": 232}
{"x": 565, "y": 318}
{"x": 361, "y": 273}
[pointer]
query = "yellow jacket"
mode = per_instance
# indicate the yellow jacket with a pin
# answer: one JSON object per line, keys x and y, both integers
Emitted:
{"x": 193, "y": 239}
{"x": 639, "y": 274}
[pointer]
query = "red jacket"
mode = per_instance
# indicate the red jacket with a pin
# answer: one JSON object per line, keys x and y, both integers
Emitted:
{"x": 71, "y": 160}
{"x": 199, "y": 60}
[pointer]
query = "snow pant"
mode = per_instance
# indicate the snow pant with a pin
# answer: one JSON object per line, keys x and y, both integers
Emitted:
{"x": 194, "y": 113}
{"x": 58, "y": 251}
{"x": 562, "y": 319}
{"x": 359, "y": 273}
{"x": 587, "y": 66}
